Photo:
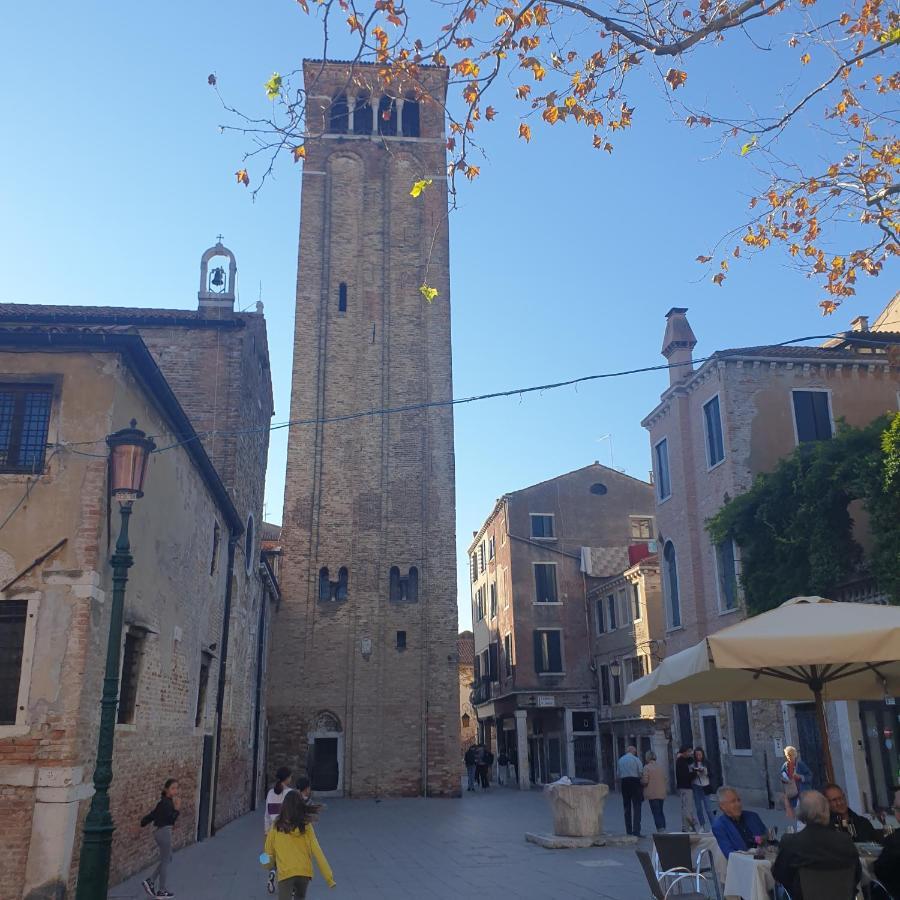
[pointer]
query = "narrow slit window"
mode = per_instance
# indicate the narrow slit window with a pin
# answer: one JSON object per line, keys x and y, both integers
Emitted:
{"x": 342, "y": 297}
{"x": 324, "y": 584}
{"x": 401, "y": 640}
{"x": 342, "y": 583}
{"x": 128, "y": 682}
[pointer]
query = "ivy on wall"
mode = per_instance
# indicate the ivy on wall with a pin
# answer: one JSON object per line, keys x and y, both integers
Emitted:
{"x": 794, "y": 525}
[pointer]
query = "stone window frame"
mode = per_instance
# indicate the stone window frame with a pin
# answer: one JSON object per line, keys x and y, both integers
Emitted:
{"x": 710, "y": 465}
{"x": 636, "y": 520}
{"x": 140, "y": 633}
{"x": 660, "y": 498}
{"x": 543, "y": 515}
{"x": 738, "y": 592}
{"x": 671, "y": 624}
{"x": 562, "y": 653}
{"x": 534, "y": 600}
{"x": 636, "y": 600}
{"x": 793, "y": 409}
{"x": 22, "y": 725}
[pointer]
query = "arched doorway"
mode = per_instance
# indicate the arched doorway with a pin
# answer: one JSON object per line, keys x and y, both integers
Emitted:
{"x": 325, "y": 761}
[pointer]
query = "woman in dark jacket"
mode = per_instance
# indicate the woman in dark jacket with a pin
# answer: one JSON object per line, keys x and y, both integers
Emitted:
{"x": 163, "y": 817}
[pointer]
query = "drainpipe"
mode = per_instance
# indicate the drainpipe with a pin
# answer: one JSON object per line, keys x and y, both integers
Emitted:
{"x": 220, "y": 687}
{"x": 260, "y": 646}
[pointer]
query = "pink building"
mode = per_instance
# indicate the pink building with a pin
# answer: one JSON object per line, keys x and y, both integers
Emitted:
{"x": 715, "y": 428}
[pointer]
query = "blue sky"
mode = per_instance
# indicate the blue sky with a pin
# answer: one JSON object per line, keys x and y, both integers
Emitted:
{"x": 564, "y": 260}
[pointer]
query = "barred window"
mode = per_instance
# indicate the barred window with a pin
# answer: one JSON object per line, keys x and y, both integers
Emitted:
{"x": 24, "y": 419}
{"x": 13, "y": 615}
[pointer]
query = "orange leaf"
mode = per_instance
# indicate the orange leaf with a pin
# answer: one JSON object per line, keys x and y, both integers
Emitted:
{"x": 489, "y": 113}
{"x": 472, "y": 172}
{"x": 242, "y": 177}
{"x": 525, "y": 132}
{"x": 703, "y": 259}
{"x": 299, "y": 153}
{"x": 676, "y": 78}
{"x": 718, "y": 278}
{"x": 805, "y": 58}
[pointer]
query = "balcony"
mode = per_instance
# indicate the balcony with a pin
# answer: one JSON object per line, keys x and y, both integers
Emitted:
{"x": 481, "y": 691}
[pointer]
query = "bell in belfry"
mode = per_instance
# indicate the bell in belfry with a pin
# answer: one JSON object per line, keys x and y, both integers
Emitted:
{"x": 218, "y": 278}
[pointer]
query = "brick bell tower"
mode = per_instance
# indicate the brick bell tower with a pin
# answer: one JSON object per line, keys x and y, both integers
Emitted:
{"x": 363, "y": 689}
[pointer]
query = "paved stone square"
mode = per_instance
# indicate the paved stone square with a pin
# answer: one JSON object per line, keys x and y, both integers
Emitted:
{"x": 428, "y": 850}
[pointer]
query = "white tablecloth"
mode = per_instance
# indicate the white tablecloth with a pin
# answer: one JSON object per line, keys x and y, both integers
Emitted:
{"x": 748, "y": 878}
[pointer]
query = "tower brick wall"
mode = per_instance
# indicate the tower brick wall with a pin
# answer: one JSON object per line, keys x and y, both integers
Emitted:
{"x": 374, "y": 492}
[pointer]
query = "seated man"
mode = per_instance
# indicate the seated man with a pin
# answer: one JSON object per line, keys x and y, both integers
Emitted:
{"x": 844, "y": 819}
{"x": 818, "y": 846}
{"x": 736, "y": 829}
{"x": 887, "y": 866}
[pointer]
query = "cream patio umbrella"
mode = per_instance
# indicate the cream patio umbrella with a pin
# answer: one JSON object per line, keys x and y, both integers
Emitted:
{"x": 807, "y": 647}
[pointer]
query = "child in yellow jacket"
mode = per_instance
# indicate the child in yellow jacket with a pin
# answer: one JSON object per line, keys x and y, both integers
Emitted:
{"x": 291, "y": 846}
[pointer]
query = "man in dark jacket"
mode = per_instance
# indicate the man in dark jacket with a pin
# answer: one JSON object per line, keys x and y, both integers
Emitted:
{"x": 818, "y": 846}
{"x": 683, "y": 780}
{"x": 860, "y": 829}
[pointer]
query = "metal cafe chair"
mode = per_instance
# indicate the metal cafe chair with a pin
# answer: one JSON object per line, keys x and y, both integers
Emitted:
{"x": 673, "y": 852}
{"x": 656, "y": 889}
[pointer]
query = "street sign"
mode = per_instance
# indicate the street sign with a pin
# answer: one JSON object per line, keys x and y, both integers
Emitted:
{"x": 543, "y": 700}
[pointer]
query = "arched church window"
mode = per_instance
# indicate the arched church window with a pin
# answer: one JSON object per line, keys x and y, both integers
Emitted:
{"x": 342, "y": 583}
{"x": 362, "y": 115}
{"x": 324, "y": 584}
{"x": 387, "y": 117}
{"x": 412, "y": 586}
{"x": 410, "y": 117}
{"x": 339, "y": 115}
{"x": 395, "y": 584}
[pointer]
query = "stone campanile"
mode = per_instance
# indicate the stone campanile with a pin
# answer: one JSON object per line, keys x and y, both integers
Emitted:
{"x": 363, "y": 687}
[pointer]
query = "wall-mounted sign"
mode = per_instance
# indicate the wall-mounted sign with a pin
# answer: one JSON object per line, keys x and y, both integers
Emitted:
{"x": 544, "y": 700}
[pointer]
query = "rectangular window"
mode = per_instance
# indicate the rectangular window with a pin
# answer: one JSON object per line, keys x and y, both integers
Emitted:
{"x": 494, "y": 661}
{"x": 685, "y": 728}
{"x": 401, "y": 640}
{"x": 715, "y": 444}
{"x": 547, "y": 652}
{"x": 507, "y": 655}
{"x": 474, "y": 568}
{"x": 491, "y": 547}
{"x": 727, "y": 572}
{"x": 545, "y": 583}
{"x": 13, "y": 616}
{"x": 493, "y": 594}
{"x": 542, "y": 526}
{"x": 598, "y": 606}
{"x": 623, "y": 606}
{"x": 636, "y": 601}
{"x": 636, "y": 668}
{"x": 663, "y": 484}
{"x": 617, "y": 688}
{"x": 128, "y": 682}
{"x": 202, "y": 685}
{"x": 476, "y": 669}
{"x": 611, "y": 612}
{"x": 812, "y": 416}
{"x": 641, "y": 528}
{"x": 479, "y": 604}
{"x": 604, "y": 684}
{"x": 24, "y": 419}
{"x": 482, "y": 557}
{"x": 740, "y": 725}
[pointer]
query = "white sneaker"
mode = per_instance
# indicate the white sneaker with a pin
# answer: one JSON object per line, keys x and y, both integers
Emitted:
{"x": 149, "y": 888}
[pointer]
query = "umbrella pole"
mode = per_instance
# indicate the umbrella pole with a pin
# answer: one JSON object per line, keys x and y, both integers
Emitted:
{"x": 823, "y": 734}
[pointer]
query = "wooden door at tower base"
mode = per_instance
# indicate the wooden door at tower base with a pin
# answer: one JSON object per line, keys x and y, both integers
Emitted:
{"x": 325, "y": 772}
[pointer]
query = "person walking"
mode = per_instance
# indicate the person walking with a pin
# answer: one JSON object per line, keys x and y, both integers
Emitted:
{"x": 701, "y": 785}
{"x": 502, "y": 767}
{"x": 684, "y": 778}
{"x": 656, "y": 787}
{"x": 274, "y": 799}
{"x": 163, "y": 817}
{"x": 630, "y": 771}
{"x": 795, "y": 778}
{"x": 291, "y": 846}
{"x": 486, "y": 769}
{"x": 469, "y": 760}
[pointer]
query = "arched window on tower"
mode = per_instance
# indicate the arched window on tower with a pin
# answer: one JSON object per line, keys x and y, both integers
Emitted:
{"x": 395, "y": 584}
{"x": 412, "y": 586}
{"x": 387, "y": 117}
{"x": 362, "y": 114}
{"x": 671, "y": 584}
{"x": 324, "y": 585}
{"x": 410, "y": 117}
{"x": 342, "y": 297}
{"x": 342, "y": 583}
{"x": 405, "y": 588}
{"x": 339, "y": 115}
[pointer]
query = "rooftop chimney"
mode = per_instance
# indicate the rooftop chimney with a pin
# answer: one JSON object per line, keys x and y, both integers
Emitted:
{"x": 678, "y": 342}
{"x": 860, "y": 323}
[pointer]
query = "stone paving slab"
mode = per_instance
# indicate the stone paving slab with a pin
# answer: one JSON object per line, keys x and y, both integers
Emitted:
{"x": 426, "y": 850}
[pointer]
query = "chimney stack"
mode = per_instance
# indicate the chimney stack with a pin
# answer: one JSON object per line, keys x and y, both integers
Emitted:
{"x": 678, "y": 342}
{"x": 860, "y": 323}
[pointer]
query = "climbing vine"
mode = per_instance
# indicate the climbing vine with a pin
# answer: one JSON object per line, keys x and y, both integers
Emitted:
{"x": 795, "y": 528}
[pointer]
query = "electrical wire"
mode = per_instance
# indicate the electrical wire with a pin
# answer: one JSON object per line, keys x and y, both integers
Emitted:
{"x": 31, "y": 483}
{"x": 433, "y": 404}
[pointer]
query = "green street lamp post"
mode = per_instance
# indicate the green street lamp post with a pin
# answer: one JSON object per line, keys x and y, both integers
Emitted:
{"x": 130, "y": 451}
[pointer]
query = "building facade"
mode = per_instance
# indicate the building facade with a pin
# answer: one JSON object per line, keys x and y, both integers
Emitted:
{"x": 368, "y": 622}
{"x": 715, "y": 428}
{"x": 533, "y": 565}
{"x": 198, "y": 615}
{"x": 468, "y": 722}
{"x": 628, "y": 625}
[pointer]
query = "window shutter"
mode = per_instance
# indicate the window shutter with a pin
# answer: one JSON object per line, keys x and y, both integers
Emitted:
{"x": 555, "y": 654}
{"x": 538, "y": 653}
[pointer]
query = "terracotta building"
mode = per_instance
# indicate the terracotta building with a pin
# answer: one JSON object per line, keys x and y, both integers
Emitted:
{"x": 468, "y": 725}
{"x": 534, "y": 563}
{"x": 716, "y": 427}
{"x": 368, "y": 621}
{"x": 628, "y": 625}
{"x": 199, "y": 599}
